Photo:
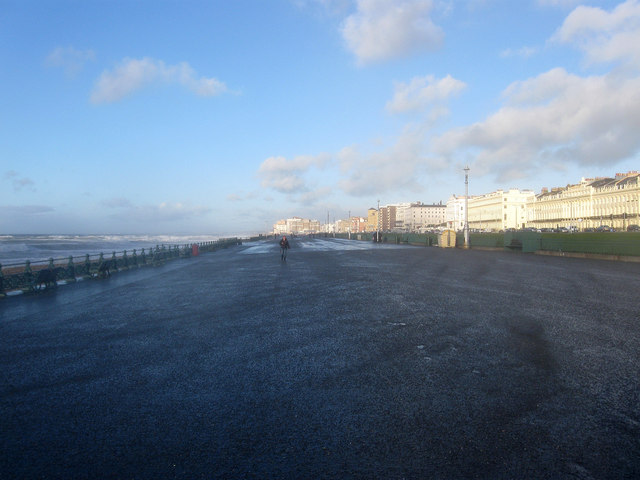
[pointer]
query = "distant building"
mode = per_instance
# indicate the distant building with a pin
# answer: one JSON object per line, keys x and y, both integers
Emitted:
{"x": 295, "y": 226}
{"x": 418, "y": 216}
{"x": 454, "y": 212}
{"x": 372, "y": 220}
{"x": 358, "y": 224}
{"x": 401, "y": 212}
{"x": 387, "y": 218}
{"x": 614, "y": 202}
{"x": 342, "y": 226}
{"x": 500, "y": 210}
{"x": 495, "y": 211}
{"x": 280, "y": 227}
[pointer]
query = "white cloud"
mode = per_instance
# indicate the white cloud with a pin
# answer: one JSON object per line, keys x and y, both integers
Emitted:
{"x": 386, "y": 29}
{"x": 287, "y": 176}
{"x": 70, "y": 59}
{"x": 126, "y": 211}
{"x": 312, "y": 197}
{"x": 19, "y": 183}
{"x": 558, "y": 3}
{"x": 423, "y": 92}
{"x": 400, "y": 167}
{"x": 330, "y": 6}
{"x": 604, "y": 36}
{"x": 174, "y": 211}
{"x": 524, "y": 52}
{"x": 241, "y": 197}
{"x": 555, "y": 118}
{"x": 117, "y": 203}
{"x": 132, "y": 75}
{"x": 25, "y": 210}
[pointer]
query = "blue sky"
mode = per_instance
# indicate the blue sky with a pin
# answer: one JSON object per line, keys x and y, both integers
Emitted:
{"x": 221, "y": 117}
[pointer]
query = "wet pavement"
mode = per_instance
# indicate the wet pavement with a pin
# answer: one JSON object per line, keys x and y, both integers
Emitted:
{"x": 349, "y": 360}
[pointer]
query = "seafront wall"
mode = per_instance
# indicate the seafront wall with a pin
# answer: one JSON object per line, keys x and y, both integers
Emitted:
{"x": 624, "y": 246}
{"x": 33, "y": 276}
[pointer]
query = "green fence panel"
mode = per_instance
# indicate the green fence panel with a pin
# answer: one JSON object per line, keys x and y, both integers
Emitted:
{"x": 604, "y": 243}
{"x": 525, "y": 242}
{"x": 487, "y": 240}
{"x": 426, "y": 239}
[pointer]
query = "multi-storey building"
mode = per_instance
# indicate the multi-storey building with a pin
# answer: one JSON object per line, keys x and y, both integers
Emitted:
{"x": 388, "y": 218}
{"x": 296, "y": 225}
{"x": 592, "y": 203}
{"x": 420, "y": 216}
{"x": 280, "y": 227}
{"x": 454, "y": 212}
{"x": 358, "y": 224}
{"x": 372, "y": 220}
{"x": 342, "y": 226}
{"x": 499, "y": 210}
{"x": 410, "y": 217}
{"x": 401, "y": 212}
{"x": 495, "y": 211}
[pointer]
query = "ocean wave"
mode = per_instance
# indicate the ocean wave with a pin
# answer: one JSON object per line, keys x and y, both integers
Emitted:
{"x": 36, "y": 248}
{"x": 15, "y": 247}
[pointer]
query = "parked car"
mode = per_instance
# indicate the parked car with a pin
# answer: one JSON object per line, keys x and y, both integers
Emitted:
{"x": 603, "y": 228}
{"x": 633, "y": 228}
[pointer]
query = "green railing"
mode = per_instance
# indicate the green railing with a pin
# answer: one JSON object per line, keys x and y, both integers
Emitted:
{"x": 31, "y": 276}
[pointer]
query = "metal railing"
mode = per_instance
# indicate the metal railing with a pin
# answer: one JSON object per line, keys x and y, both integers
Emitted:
{"x": 29, "y": 277}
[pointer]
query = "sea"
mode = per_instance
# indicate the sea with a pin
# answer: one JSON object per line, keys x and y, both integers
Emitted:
{"x": 16, "y": 249}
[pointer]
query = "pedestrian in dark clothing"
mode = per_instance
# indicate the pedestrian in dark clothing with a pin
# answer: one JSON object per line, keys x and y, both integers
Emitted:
{"x": 284, "y": 246}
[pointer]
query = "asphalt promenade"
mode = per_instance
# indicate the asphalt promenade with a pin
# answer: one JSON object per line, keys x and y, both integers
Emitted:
{"x": 349, "y": 360}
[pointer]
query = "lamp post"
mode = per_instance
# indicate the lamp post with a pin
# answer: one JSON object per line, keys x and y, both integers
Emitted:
{"x": 466, "y": 207}
{"x": 378, "y": 223}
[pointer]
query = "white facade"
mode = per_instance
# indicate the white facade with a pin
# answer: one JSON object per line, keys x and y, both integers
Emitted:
{"x": 280, "y": 227}
{"x": 402, "y": 218}
{"x": 296, "y": 225}
{"x": 495, "y": 211}
{"x": 454, "y": 214}
{"x": 417, "y": 216}
{"x": 590, "y": 204}
{"x": 500, "y": 210}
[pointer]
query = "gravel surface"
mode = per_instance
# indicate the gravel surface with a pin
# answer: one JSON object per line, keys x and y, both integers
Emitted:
{"x": 349, "y": 360}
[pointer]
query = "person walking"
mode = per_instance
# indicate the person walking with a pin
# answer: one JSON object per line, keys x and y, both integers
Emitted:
{"x": 284, "y": 246}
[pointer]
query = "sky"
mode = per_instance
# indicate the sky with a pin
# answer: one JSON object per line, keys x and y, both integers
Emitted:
{"x": 222, "y": 117}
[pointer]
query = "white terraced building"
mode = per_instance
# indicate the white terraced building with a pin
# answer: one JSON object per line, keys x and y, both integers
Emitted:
{"x": 495, "y": 211}
{"x": 592, "y": 203}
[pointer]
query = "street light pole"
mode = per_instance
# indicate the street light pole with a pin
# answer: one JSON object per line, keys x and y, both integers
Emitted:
{"x": 378, "y": 223}
{"x": 466, "y": 206}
